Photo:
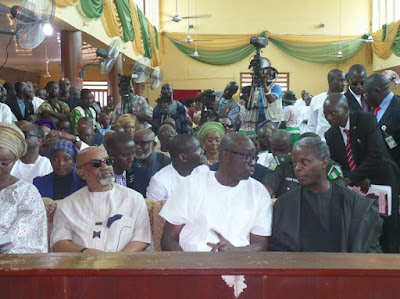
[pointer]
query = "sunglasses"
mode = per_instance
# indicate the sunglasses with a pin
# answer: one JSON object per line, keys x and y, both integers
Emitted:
{"x": 246, "y": 158}
{"x": 97, "y": 163}
{"x": 227, "y": 126}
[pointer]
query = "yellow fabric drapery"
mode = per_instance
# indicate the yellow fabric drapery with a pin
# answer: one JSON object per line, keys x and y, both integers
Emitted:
{"x": 383, "y": 49}
{"x": 156, "y": 59}
{"x": 138, "y": 41}
{"x": 110, "y": 19}
{"x": 310, "y": 39}
{"x": 65, "y": 3}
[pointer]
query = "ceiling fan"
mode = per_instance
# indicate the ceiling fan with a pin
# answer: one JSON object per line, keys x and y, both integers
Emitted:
{"x": 177, "y": 18}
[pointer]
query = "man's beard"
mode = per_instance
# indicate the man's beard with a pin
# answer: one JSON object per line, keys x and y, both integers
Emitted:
{"x": 143, "y": 156}
{"x": 108, "y": 179}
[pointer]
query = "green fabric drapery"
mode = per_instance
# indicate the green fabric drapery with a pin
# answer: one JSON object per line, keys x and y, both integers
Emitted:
{"x": 92, "y": 9}
{"x": 396, "y": 45}
{"x": 124, "y": 13}
{"x": 145, "y": 35}
{"x": 156, "y": 34}
{"x": 324, "y": 53}
{"x": 222, "y": 57}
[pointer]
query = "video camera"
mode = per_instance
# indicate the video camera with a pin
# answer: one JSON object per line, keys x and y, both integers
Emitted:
{"x": 258, "y": 63}
{"x": 163, "y": 101}
{"x": 207, "y": 108}
{"x": 125, "y": 88}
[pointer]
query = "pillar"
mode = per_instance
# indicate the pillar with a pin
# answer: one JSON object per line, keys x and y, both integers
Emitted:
{"x": 71, "y": 56}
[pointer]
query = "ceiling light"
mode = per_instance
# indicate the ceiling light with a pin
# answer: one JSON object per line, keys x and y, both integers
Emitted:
{"x": 48, "y": 29}
{"x": 340, "y": 54}
{"x": 188, "y": 39}
{"x": 369, "y": 39}
{"x": 196, "y": 54}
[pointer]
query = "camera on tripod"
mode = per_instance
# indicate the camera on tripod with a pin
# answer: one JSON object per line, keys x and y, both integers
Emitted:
{"x": 125, "y": 88}
{"x": 258, "y": 63}
{"x": 207, "y": 108}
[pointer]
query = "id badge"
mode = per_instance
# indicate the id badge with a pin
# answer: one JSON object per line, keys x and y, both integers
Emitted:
{"x": 390, "y": 141}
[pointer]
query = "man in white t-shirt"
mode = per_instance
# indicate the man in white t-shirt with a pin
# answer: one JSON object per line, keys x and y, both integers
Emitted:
{"x": 31, "y": 165}
{"x": 223, "y": 210}
{"x": 103, "y": 216}
{"x": 187, "y": 158}
{"x": 6, "y": 116}
{"x": 317, "y": 122}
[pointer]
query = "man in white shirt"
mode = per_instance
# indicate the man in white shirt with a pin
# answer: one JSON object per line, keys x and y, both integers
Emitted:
{"x": 304, "y": 112}
{"x": 187, "y": 158}
{"x": 223, "y": 210}
{"x": 31, "y": 165}
{"x": 6, "y": 115}
{"x": 317, "y": 122}
{"x": 103, "y": 216}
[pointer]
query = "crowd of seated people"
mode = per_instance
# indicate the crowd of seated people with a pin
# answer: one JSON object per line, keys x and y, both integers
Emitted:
{"x": 221, "y": 187}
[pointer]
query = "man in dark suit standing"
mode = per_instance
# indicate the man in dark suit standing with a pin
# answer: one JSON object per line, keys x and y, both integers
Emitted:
{"x": 386, "y": 107}
{"x": 354, "y": 95}
{"x": 20, "y": 105}
{"x": 355, "y": 142}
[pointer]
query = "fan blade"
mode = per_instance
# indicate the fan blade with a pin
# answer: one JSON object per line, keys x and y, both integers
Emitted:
{"x": 198, "y": 16}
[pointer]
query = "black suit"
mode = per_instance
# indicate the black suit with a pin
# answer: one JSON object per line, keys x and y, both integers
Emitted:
{"x": 391, "y": 119}
{"x": 13, "y": 104}
{"x": 353, "y": 103}
{"x": 372, "y": 161}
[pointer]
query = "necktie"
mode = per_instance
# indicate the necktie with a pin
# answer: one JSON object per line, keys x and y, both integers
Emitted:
{"x": 364, "y": 104}
{"x": 349, "y": 152}
{"x": 376, "y": 110}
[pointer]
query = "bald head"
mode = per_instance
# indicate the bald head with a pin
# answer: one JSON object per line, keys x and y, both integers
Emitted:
{"x": 281, "y": 142}
{"x": 377, "y": 81}
{"x": 183, "y": 143}
{"x": 87, "y": 155}
{"x": 145, "y": 133}
{"x": 230, "y": 89}
{"x": 165, "y": 135}
{"x": 117, "y": 141}
{"x": 357, "y": 69}
{"x": 376, "y": 88}
{"x": 264, "y": 136}
{"x": 336, "y": 99}
{"x": 336, "y": 110}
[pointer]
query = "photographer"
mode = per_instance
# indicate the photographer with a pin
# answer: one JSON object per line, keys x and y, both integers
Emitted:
{"x": 225, "y": 105}
{"x": 273, "y": 94}
{"x": 167, "y": 107}
{"x": 132, "y": 104}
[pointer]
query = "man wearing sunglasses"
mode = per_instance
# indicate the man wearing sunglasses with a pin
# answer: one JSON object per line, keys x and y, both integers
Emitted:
{"x": 103, "y": 216}
{"x": 31, "y": 165}
{"x": 354, "y": 95}
{"x": 227, "y": 124}
{"x": 223, "y": 210}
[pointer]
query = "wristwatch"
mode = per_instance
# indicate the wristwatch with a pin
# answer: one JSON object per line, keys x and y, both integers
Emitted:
{"x": 77, "y": 139}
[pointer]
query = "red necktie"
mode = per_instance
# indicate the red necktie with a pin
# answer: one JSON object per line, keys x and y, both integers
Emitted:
{"x": 376, "y": 110}
{"x": 364, "y": 104}
{"x": 349, "y": 152}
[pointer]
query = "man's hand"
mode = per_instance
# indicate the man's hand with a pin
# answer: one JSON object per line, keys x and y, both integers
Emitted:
{"x": 364, "y": 186}
{"x": 222, "y": 245}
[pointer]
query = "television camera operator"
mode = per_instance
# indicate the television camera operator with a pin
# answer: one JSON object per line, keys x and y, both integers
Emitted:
{"x": 167, "y": 107}
{"x": 132, "y": 104}
{"x": 266, "y": 96}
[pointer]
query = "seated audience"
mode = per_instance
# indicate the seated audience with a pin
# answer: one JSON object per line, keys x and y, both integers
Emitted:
{"x": 319, "y": 216}
{"x": 66, "y": 96}
{"x": 19, "y": 102}
{"x": 64, "y": 126}
{"x": 220, "y": 211}
{"x": 63, "y": 181}
{"x": 129, "y": 123}
{"x": 165, "y": 135}
{"x": 210, "y": 135}
{"x": 147, "y": 162}
{"x": 53, "y": 108}
{"x": 280, "y": 177}
{"x": 187, "y": 158}
{"x": 227, "y": 124}
{"x": 121, "y": 148}
{"x": 92, "y": 137}
{"x": 47, "y": 125}
{"x": 118, "y": 222}
{"x": 264, "y": 135}
{"x": 36, "y": 101}
{"x": 84, "y": 110}
{"x": 31, "y": 164}
{"x": 104, "y": 121}
{"x": 22, "y": 215}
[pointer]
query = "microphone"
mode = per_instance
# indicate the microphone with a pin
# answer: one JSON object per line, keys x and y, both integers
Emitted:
{"x": 24, "y": 15}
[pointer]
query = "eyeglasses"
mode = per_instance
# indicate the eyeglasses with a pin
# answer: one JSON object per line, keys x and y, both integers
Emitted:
{"x": 143, "y": 143}
{"x": 97, "y": 163}
{"x": 365, "y": 94}
{"x": 29, "y": 134}
{"x": 227, "y": 126}
{"x": 246, "y": 158}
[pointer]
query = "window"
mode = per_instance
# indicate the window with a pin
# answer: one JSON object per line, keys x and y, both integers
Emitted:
{"x": 99, "y": 89}
{"x": 151, "y": 10}
{"x": 384, "y": 12}
{"x": 283, "y": 80}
